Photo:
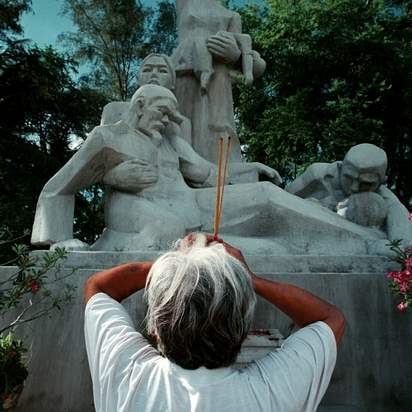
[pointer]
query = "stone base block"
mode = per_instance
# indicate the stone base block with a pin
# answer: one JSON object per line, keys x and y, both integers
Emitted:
{"x": 373, "y": 371}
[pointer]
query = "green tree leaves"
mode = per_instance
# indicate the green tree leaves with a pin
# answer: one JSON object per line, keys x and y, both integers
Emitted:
{"x": 339, "y": 73}
{"x": 41, "y": 108}
{"x": 113, "y": 36}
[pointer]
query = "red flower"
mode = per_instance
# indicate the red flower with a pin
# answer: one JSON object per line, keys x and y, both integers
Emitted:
{"x": 34, "y": 286}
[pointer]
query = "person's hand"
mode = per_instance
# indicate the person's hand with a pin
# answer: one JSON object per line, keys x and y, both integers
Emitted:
{"x": 268, "y": 173}
{"x": 132, "y": 176}
{"x": 231, "y": 250}
{"x": 223, "y": 46}
{"x": 205, "y": 240}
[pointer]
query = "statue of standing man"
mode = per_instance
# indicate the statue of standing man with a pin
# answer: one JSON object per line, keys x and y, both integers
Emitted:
{"x": 211, "y": 46}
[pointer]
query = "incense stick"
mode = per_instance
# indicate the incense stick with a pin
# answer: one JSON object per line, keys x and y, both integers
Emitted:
{"x": 225, "y": 171}
{"x": 220, "y": 183}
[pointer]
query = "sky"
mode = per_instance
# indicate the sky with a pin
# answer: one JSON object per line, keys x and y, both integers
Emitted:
{"x": 46, "y": 21}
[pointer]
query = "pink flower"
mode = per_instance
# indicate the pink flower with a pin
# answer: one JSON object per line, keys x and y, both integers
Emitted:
{"x": 34, "y": 286}
{"x": 410, "y": 216}
{"x": 392, "y": 275}
{"x": 408, "y": 264}
{"x": 402, "y": 306}
{"x": 400, "y": 277}
{"x": 404, "y": 287}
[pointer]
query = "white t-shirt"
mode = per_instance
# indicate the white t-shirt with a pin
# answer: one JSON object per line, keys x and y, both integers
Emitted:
{"x": 129, "y": 375}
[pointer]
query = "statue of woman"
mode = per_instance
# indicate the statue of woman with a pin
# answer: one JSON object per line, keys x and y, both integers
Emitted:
{"x": 210, "y": 47}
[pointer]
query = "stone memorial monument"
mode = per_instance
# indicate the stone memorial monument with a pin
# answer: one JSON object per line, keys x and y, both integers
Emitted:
{"x": 149, "y": 202}
{"x": 355, "y": 189}
{"x": 156, "y": 157}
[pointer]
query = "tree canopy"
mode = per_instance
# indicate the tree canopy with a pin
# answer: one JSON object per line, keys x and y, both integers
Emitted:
{"x": 10, "y": 13}
{"x": 113, "y": 36}
{"x": 41, "y": 109}
{"x": 339, "y": 73}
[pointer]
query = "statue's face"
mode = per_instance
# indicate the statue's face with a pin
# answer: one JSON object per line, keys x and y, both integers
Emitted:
{"x": 156, "y": 71}
{"x": 156, "y": 116}
{"x": 354, "y": 181}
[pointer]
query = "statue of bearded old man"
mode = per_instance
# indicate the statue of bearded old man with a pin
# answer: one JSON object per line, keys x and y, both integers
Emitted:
{"x": 149, "y": 201}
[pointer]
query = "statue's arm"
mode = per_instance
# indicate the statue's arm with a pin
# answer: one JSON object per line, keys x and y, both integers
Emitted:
{"x": 397, "y": 225}
{"x": 55, "y": 207}
{"x": 259, "y": 65}
{"x": 254, "y": 170}
{"x": 252, "y": 64}
{"x": 198, "y": 171}
{"x": 186, "y": 129}
{"x": 310, "y": 184}
{"x": 202, "y": 173}
{"x": 235, "y": 24}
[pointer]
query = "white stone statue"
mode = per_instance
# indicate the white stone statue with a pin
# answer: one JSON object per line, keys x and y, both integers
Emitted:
{"x": 211, "y": 46}
{"x": 156, "y": 193}
{"x": 355, "y": 189}
{"x": 147, "y": 174}
{"x": 155, "y": 69}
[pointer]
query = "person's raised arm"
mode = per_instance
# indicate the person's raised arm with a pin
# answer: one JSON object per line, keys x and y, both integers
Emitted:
{"x": 118, "y": 282}
{"x": 300, "y": 305}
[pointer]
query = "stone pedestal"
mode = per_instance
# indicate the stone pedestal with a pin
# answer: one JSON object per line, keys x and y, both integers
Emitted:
{"x": 374, "y": 367}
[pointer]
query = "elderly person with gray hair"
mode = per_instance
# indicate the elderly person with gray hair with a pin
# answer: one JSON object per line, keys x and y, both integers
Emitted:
{"x": 201, "y": 300}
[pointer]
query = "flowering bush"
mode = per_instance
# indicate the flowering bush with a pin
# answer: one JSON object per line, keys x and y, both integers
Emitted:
{"x": 13, "y": 371}
{"x": 401, "y": 281}
{"x": 35, "y": 288}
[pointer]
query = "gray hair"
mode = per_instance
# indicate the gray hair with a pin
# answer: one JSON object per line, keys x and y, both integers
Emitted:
{"x": 200, "y": 305}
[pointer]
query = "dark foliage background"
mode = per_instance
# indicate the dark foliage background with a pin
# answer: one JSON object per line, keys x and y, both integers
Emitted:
{"x": 339, "y": 73}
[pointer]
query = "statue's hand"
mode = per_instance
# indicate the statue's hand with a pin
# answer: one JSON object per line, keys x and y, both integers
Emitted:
{"x": 223, "y": 46}
{"x": 267, "y": 173}
{"x": 70, "y": 244}
{"x": 132, "y": 176}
